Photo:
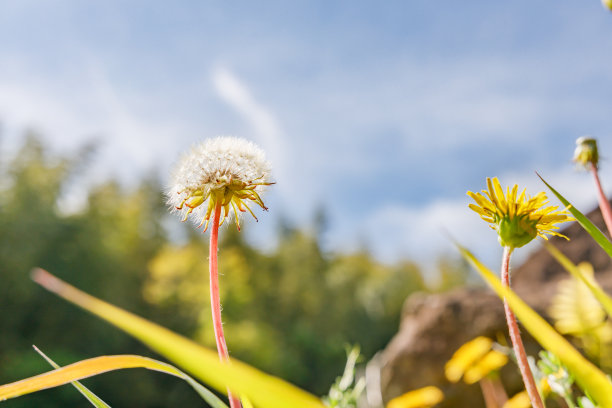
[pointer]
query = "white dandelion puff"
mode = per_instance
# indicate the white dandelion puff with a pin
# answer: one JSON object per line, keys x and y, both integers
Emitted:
{"x": 225, "y": 171}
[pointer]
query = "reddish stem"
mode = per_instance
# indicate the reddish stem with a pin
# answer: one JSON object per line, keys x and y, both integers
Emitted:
{"x": 515, "y": 337}
{"x": 493, "y": 392}
{"x": 604, "y": 204}
{"x": 215, "y": 301}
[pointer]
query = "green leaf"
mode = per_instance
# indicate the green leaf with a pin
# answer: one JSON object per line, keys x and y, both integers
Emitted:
{"x": 91, "y": 397}
{"x": 587, "y": 375}
{"x": 593, "y": 286}
{"x": 99, "y": 365}
{"x": 263, "y": 390}
{"x": 588, "y": 226}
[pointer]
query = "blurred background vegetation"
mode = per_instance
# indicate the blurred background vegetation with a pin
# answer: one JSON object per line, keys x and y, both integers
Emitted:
{"x": 290, "y": 311}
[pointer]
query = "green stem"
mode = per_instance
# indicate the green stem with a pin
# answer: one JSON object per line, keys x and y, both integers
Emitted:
{"x": 604, "y": 204}
{"x": 215, "y": 301}
{"x": 515, "y": 337}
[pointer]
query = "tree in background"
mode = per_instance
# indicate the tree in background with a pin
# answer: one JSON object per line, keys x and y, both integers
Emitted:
{"x": 289, "y": 311}
{"x": 104, "y": 249}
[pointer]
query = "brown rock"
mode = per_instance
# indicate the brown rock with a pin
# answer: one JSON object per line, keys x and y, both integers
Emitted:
{"x": 432, "y": 328}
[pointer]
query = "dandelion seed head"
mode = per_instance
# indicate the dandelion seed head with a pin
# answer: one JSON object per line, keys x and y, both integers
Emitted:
{"x": 225, "y": 171}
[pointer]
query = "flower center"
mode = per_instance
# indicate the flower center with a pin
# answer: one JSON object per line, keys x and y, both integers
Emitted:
{"x": 228, "y": 193}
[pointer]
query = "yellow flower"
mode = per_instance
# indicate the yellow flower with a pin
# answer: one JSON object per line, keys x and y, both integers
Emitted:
{"x": 520, "y": 400}
{"x": 474, "y": 360}
{"x": 466, "y": 356}
{"x": 574, "y": 308}
{"x": 422, "y": 398}
{"x": 517, "y": 220}
{"x": 491, "y": 362}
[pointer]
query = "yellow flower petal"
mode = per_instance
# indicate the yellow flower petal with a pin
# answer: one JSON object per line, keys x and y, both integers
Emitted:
{"x": 465, "y": 356}
{"x": 517, "y": 220}
{"x": 492, "y": 361}
{"x": 520, "y": 400}
{"x": 421, "y": 398}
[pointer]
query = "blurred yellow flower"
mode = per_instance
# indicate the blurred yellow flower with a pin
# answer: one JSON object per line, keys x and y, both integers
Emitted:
{"x": 574, "y": 308}
{"x": 466, "y": 356}
{"x": 422, "y": 398}
{"x": 517, "y": 220}
{"x": 474, "y": 360}
{"x": 520, "y": 400}
{"x": 492, "y": 361}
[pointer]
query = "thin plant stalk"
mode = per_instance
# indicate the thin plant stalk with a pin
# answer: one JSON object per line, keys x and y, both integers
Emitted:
{"x": 515, "y": 337}
{"x": 215, "y": 301}
{"x": 493, "y": 392}
{"x": 604, "y": 204}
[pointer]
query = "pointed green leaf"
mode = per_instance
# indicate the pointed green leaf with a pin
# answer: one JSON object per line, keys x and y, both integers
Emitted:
{"x": 263, "y": 390}
{"x": 90, "y": 396}
{"x": 99, "y": 365}
{"x": 588, "y": 226}
{"x": 593, "y": 286}
{"x": 587, "y": 375}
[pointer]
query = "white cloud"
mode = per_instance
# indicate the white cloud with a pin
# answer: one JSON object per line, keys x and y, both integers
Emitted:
{"x": 267, "y": 131}
{"x": 92, "y": 107}
{"x": 401, "y": 230}
{"x": 420, "y": 232}
{"x": 265, "y": 125}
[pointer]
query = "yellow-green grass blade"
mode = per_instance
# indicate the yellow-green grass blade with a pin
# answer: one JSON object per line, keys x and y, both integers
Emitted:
{"x": 205, "y": 393}
{"x": 587, "y": 375}
{"x": 90, "y": 396}
{"x": 246, "y": 403}
{"x": 593, "y": 286}
{"x": 95, "y": 366}
{"x": 264, "y": 391}
{"x": 588, "y": 226}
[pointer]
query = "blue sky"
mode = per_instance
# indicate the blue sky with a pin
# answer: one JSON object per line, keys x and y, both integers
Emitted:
{"x": 384, "y": 113}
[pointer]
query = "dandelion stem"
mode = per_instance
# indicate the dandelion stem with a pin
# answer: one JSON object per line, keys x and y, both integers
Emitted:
{"x": 604, "y": 204}
{"x": 515, "y": 337}
{"x": 215, "y": 301}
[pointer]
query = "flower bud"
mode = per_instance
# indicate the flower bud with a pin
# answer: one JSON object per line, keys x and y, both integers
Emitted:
{"x": 586, "y": 153}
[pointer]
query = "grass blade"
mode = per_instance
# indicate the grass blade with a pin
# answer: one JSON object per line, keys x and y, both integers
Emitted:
{"x": 263, "y": 390}
{"x": 588, "y": 226}
{"x": 587, "y": 375}
{"x": 593, "y": 286}
{"x": 100, "y": 365}
{"x": 90, "y": 396}
{"x": 205, "y": 393}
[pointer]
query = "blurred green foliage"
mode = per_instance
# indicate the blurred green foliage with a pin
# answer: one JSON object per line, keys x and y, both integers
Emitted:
{"x": 290, "y": 311}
